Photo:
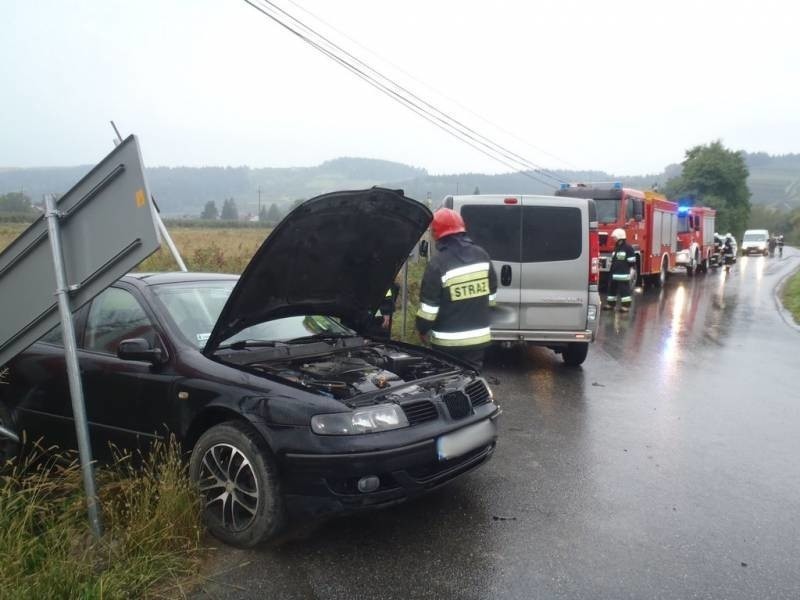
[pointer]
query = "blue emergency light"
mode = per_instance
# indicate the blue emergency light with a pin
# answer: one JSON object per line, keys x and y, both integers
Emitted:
{"x": 683, "y": 209}
{"x": 617, "y": 185}
{"x": 564, "y": 186}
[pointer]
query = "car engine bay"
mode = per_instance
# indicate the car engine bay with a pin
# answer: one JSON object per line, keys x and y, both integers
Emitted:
{"x": 344, "y": 373}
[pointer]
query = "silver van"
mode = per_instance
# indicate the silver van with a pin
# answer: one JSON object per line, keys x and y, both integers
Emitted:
{"x": 546, "y": 264}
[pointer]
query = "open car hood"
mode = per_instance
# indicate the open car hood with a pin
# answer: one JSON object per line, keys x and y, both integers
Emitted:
{"x": 334, "y": 255}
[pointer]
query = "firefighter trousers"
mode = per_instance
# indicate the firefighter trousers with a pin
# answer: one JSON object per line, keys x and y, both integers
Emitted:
{"x": 619, "y": 289}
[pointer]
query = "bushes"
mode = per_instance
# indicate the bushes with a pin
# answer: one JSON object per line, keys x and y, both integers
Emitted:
{"x": 151, "y": 515}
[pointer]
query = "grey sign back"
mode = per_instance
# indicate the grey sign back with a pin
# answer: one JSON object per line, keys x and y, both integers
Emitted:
{"x": 107, "y": 229}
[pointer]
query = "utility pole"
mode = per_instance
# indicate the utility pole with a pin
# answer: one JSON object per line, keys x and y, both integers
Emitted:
{"x": 259, "y": 203}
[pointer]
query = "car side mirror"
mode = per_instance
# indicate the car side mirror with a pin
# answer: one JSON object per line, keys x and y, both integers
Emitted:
{"x": 423, "y": 248}
{"x": 139, "y": 349}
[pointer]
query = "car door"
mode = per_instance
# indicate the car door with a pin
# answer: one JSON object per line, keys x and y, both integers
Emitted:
{"x": 37, "y": 390}
{"x": 494, "y": 223}
{"x": 126, "y": 400}
{"x": 555, "y": 264}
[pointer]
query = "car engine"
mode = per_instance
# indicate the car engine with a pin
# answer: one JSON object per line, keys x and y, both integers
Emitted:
{"x": 346, "y": 373}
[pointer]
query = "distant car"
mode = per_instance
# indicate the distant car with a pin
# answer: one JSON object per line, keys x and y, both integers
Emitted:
{"x": 755, "y": 241}
{"x": 285, "y": 407}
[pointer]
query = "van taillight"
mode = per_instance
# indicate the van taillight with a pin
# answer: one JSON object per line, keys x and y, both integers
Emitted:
{"x": 594, "y": 257}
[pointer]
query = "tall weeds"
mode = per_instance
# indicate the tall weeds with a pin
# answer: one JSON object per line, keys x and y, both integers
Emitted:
{"x": 151, "y": 514}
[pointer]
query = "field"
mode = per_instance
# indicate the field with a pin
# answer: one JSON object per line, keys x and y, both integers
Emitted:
{"x": 228, "y": 250}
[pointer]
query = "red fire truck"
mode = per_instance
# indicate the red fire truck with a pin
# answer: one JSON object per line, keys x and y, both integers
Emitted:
{"x": 650, "y": 222}
{"x": 695, "y": 238}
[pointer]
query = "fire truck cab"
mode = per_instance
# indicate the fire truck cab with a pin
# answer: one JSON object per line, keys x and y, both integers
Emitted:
{"x": 650, "y": 222}
{"x": 695, "y": 238}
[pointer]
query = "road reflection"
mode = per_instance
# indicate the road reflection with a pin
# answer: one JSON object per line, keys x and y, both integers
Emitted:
{"x": 690, "y": 315}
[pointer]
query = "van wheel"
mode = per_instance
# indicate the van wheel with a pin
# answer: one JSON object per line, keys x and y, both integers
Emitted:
{"x": 575, "y": 353}
{"x": 238, "y": 483}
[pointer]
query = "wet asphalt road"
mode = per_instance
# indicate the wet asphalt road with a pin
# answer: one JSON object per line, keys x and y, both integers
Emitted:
{"x": 668, "y": 466}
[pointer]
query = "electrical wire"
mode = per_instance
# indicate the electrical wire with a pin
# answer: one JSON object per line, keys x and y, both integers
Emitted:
{"x": 431, "y": 114}
{"x": 464, "y": 129}
{"x": 432, "y": 88}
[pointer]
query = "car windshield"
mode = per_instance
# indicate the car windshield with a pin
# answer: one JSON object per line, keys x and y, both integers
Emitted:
{"x": 195, "y": 307}
{"x": 755, "y": 237}
{"x": 607, "y": 210}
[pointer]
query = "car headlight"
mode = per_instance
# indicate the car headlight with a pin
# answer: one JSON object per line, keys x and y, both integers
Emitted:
{"x": 382, "y": 417}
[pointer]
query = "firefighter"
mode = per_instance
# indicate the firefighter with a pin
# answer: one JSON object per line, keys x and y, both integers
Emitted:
{"x": 623, "y": 257}
{"x": 458, "y": 287}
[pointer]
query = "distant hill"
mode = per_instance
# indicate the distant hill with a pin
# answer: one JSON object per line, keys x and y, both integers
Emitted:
{"x": 774, "y": 180}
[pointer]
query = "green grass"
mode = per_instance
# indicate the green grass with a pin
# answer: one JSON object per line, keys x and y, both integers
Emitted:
{"x": 415, "y": 272}
{"x": 151, "y": 514}
{"x": 791, "y": 296}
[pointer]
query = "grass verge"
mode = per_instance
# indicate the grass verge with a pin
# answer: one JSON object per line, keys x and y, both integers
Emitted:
{"x": 151, "y": 515}
{"x": 791, "y": 296}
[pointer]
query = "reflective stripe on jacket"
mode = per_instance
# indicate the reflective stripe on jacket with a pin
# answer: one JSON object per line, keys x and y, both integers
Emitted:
{"x": 623, "y": 257}
{"x": 458, "y": 286}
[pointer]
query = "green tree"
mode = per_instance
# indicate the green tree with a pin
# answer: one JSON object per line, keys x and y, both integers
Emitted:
{"x": 210, "y": 211}
{"x": 274, "y": 214}
{"x": 229, "y": 210}
{"x": 476, "y": 191}
{"x": 15, "y": 202}
{"x": 717, "y": 177}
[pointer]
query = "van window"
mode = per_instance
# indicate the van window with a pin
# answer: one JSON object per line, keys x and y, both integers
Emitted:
{"x": 551, "y": 233}
{"x": 495, "y": 228}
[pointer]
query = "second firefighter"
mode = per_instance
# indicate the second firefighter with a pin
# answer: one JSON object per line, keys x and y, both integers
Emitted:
{"x": 623, "y": 259}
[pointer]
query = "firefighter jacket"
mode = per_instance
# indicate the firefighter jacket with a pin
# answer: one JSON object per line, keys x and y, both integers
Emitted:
{"x": 623, "y": 257}
{"x": 388, "y": 303}
{"x": 458, "y": 288}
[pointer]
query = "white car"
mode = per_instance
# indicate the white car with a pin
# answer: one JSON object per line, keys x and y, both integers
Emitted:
{"x": 755, "y": 241}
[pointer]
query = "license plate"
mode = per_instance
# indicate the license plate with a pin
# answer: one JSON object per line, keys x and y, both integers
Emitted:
{"x": 462, "y": 441}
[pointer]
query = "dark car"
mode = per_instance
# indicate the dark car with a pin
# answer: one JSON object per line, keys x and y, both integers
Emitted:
{"x": 286, "y": 407}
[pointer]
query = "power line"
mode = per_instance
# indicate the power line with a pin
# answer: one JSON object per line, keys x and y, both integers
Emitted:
{"x": 464, "y": 129}
{"x": 437, "y": 117}
{"x": 430, "y": 87}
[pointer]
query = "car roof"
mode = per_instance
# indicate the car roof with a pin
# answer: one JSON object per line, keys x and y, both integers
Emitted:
{"x": 149, "y": 279}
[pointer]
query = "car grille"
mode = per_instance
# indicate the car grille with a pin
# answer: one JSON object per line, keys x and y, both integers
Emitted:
{"x": 458, "y": 404}
{"x": 420, "y": 412}
{"x": 478, "y": 393}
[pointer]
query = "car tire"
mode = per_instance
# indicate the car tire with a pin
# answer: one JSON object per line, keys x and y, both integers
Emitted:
{"x": 9, "y": 449}
{"x": 242, "y": 509}
{"x": 575, "y": 353}
{"x": 661, "y": 279}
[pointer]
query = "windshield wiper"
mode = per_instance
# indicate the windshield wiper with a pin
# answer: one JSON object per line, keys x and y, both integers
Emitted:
{"x": 330, "y": 335}
{"x": 242, "y": 344}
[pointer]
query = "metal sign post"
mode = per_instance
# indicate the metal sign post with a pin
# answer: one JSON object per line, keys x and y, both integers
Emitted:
{"x": 73, "y": 371}
{"x": 162, "y": 229}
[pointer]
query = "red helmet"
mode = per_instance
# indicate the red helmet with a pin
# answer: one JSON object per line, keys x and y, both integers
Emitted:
{"x": 447, "y": 222}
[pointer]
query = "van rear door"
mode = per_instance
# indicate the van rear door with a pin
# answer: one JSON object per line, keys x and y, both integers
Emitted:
{"x": 554, "y": 260}
{"x": 494, "y": 223}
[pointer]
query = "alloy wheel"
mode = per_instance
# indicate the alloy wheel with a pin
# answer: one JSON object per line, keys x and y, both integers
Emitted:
{"x": 229, "y": 487}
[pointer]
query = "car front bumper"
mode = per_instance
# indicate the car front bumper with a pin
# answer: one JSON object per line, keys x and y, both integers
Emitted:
{"x": 323, "y": 484}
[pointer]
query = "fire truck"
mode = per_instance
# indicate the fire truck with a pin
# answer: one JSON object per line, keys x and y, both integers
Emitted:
{"x": 650, "y": 222}
{"x": 695, "y": 238}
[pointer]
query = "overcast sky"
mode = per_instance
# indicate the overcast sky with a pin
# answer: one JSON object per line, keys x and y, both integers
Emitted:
{"x": 623, "y": 86}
